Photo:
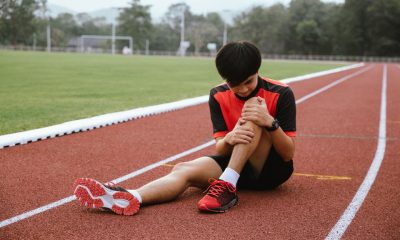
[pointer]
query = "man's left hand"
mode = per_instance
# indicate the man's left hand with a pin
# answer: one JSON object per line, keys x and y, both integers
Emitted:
{"x": 257, "y": 113}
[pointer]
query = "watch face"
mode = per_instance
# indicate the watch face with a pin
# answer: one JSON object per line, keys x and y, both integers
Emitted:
{"x": 274, "y": 126}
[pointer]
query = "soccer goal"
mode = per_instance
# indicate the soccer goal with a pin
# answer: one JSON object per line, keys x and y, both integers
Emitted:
{"x": 85, "y": 38}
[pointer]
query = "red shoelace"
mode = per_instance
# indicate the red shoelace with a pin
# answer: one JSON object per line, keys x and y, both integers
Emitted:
{"x": 217, "y": 187}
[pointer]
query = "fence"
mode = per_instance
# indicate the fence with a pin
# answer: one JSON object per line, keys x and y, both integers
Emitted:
{"x": 207, "y": 54}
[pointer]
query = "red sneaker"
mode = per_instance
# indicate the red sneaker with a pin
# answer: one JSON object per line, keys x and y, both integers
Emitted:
{"x": 94, "y": 194}
{"x": 220, "y": 197}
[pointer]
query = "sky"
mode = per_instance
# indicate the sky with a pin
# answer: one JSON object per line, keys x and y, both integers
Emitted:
{"x": 159, "y": 7}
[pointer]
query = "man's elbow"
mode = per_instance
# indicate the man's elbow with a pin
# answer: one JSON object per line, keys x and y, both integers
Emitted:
{"x": 288, "y": 155}
{"x": 287, "y": 158}
{"x": 219, "y": 152}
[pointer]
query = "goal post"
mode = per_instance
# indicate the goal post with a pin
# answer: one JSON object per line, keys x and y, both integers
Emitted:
{"x": 105, "y": 37}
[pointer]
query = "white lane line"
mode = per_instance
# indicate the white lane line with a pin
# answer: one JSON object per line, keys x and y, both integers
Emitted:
{"x": 118, "y": 180}
{"x": 332, "y": 85}
{"x": 167, "y": 160}
{"x": 135, "y": 173}
{"x": 348, "y": 215}
{"x": 37, "y": 211}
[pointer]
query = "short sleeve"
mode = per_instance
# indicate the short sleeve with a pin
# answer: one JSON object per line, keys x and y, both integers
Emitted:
{"x": 286, "y": 112}
{"x": 219, "y": 126}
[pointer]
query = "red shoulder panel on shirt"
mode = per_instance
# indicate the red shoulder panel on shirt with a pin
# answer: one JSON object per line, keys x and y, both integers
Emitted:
{"x": 291, "y": 134}
{"x": 274, "y": 82}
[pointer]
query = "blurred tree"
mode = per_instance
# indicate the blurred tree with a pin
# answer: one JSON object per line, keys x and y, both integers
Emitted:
{"x": 305, "y": 19}
{"x": 199, "y": 29}
{"x": 384, "y": 27}
{"x": 353, "y": 27}
{"x": 328, "y": 40}
{"x": 214, "y": 19}
{"x": 308, "y": 36}
{"x": 87, "y": 25}
{"x": 64, "y": 27}
{"x": 173, "y": 16}
{"x": 266, "y": 27}
{"x": 135, "y": 21}
{"x": 17, "y": 21}
{"x": 200, "y": 32}
{"x": 164, "y": 38}
{"x": 166, "y": 35}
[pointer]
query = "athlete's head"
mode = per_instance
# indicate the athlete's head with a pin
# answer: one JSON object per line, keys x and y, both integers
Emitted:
{"x": 237, "y": 61}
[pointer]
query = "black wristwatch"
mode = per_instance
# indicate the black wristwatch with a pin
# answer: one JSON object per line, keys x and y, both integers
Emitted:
{"x": 274, "y": 126}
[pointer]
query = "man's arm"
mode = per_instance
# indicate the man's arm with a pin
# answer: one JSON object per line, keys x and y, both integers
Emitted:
{"x": 222, "y": 147}
{"x": 258, "y": 113}
{"x": 283, "y": 144}
{"x": 240, "y": 134}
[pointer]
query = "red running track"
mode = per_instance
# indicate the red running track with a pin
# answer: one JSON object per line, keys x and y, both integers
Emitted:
{"x": 337, "y": 137}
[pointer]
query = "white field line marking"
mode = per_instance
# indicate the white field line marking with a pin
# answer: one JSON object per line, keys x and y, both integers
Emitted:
{"x": 348, "y": 215}
{"x": 118, "y": 180}
{"x": 86, "y": 124}
{"x": 123, "y": 178}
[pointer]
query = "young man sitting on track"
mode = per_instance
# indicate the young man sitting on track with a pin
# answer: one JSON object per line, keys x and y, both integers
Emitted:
{"x": 254, "y": 121}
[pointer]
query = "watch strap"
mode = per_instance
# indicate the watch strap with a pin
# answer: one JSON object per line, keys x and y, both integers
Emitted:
{"x": 274, "y": 126}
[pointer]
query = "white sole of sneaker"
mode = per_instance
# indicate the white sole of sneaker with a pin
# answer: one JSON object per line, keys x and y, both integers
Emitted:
{"x": 94, "y": 194}
{"x": 107, "y": 199}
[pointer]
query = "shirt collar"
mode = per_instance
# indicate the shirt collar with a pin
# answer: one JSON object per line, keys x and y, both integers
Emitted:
{"x": 253, "y": 93}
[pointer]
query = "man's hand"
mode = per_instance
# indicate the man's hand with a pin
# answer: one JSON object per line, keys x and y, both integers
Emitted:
{"x": 257, "y": 113}
{"x": 240, "y": 134}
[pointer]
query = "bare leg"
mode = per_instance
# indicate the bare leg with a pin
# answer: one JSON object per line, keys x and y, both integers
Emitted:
{"x": 242, "y": 152}
{"x": 256, "y": 151}
{"x": 183, "y": 175}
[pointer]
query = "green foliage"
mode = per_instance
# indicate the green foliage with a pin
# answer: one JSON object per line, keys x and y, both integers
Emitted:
{"x": 17, "y": 21}
{"x": 370, "y": 27}
{"x": 41, "y": 89}
{"x": 384, "y": 25}
{"x": 308, "y": 35}
{"x": 306, "y": 18}
{"x": 164, "y": 38}
{"x": 266, "y": 27}
{"x": 356, "y": 27}
{"x": 135, "y": 21}
{"x": 88, "y": 25}
{"x": 199, "y": 29}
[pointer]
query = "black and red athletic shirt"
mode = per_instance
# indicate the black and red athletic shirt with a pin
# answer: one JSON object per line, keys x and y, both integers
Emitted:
{"x": 226, "y": 106}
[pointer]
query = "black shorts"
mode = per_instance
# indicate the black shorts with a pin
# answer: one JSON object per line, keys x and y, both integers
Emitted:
{"x": 274, "y": 173}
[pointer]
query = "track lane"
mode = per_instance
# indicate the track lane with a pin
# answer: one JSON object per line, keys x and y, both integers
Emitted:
{"x": 114, "y": 151}
{"x": 105, "y": 153}
{"x": 298, "y": 187}
{"x": 379, "y": 217}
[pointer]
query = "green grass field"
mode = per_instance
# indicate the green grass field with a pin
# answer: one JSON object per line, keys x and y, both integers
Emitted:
{"x": 42, "y": 89}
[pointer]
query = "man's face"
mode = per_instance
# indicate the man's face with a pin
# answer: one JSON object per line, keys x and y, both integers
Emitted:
{"x": 247, "y": 87}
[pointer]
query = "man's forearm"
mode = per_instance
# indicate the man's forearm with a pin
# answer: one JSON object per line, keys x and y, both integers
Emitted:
{"x": 222, "y": 147}
{"x": 283, "y": 144}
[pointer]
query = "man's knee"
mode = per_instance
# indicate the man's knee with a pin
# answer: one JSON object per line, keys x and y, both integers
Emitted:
{"x": 181, "y": 167}
{"x": 252, "y": 125}
{"x": 253, "y": 100}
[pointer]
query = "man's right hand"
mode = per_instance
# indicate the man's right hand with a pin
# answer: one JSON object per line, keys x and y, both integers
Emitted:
{"x": 240, "y": 134}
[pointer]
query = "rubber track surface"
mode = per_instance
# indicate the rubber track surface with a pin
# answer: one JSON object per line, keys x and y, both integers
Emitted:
{"x": 337, "y": 136}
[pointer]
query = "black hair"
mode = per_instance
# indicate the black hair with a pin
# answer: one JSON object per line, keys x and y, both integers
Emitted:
{"x": 236, "y": 61}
